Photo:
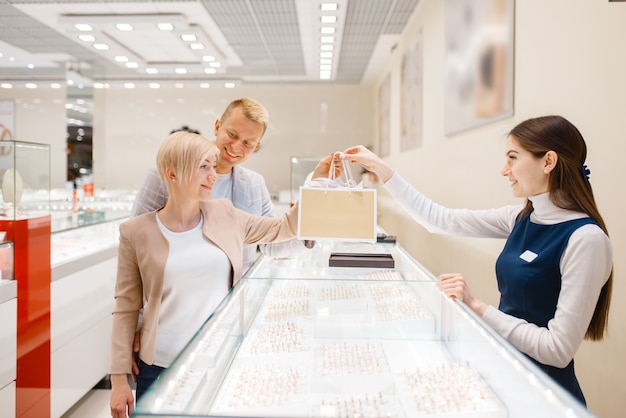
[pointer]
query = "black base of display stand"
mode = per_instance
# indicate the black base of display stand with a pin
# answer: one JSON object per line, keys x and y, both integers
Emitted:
{"x": 366, "y": 260}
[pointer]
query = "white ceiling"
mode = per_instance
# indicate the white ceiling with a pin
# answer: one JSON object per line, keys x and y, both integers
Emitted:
{"x": 252, "y": 41}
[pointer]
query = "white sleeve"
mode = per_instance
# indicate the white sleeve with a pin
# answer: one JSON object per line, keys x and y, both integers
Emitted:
{"x": 585, "y": 267}
{"x": 490, "y": 223}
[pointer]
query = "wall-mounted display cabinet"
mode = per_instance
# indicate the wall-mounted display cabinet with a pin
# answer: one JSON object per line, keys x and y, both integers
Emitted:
{"x": 297, "y": 338}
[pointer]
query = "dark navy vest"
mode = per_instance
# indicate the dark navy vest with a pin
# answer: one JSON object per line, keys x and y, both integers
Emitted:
{"x": 529, "y": 279}
{"x": 528, "y": 269}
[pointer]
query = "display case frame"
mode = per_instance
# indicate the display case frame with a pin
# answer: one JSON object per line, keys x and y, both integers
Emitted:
{"x": 211, "y": 376}
{"x": 25, "y": 180}
{"x": 300, "y": 168}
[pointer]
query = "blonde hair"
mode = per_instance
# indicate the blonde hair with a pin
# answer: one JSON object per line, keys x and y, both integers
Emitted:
{"x": 251, "y": 109}
{"x": 183, "y": 153}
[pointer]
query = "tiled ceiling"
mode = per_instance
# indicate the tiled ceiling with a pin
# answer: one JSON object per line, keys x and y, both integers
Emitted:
{"x": 254, "y": 41}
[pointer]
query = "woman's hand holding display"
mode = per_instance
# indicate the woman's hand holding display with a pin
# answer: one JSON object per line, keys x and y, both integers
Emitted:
{"x": 322, "y": 170}
{"x": 454, "y": 286}
{"x": 368, "y": 160}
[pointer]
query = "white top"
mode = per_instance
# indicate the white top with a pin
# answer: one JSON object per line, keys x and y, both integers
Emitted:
{"x": 196, "y": 279}
{"x": 585, "y": 267}
{"x": 223, "y": 187}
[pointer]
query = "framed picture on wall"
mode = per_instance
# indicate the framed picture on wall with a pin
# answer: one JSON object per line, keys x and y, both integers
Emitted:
{"x": 384, "y": 112}
{"x": 411, "y": 90}
{"x": 479, "y": 62}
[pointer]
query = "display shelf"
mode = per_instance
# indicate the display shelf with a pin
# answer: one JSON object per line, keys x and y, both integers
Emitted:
{"x": 296, "y": 338}
{"x": 77, "y": 244}
{"x": 103, "y": 206}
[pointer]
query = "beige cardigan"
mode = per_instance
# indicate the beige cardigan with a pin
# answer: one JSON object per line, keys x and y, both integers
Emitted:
{"x": 142, "y": 255}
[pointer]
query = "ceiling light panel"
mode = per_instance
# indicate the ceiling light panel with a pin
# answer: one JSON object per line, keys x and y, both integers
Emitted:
{"x": 147, "y": 45}
{"x": 367, "y": 20}
{"x": 263, "y": 34}
{"x": 270, "y": 36}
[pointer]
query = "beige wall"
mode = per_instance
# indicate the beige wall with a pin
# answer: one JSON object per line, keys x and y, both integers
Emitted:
{"x": 569, "y": 60}
{"x": 309, "y": 120}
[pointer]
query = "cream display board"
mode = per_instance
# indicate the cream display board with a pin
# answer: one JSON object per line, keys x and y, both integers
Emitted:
{"x": 299, "y": 359}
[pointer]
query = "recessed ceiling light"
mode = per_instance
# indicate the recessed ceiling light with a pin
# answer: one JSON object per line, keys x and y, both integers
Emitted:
{"x": 101, "y": 47}
{"x": 6, "y": 85}
{"x": 329, "y": 19}
{"x": 208, "y": 58}
{"x": 325, "y": 75}
{"x": 326, "y": 67}
{"x": 152, "y": 70}
{"x": 326, "y": 48}
{"x": 87, "y": 38}
{"x": 131, "y": 64}
{"x": 325, "y": 61}
{"x": 196, "y": 46}
{"x": 215, "y": 64}
{"x": 189, "y": 37}
{"x": 210, "y": 71}
{"x": 30, "y": 85}
{"x": 327, "y": 39}
{"x": 328, "y": 7}
{"x": 31, "y": 66}
{"x": 129, "y": 85}
{"x": 181, "y": 71}
{"x": 229, "y": 85}
{"x": 326, "y": 54}
{"x": 124, "y": 26}
{"x": 55, "y": 85}
{"x": 154, "y": 85}
{"x": 121, "y": 58}
{"x": 165, "y": 26}
{"x": 179, "y": 85}
{"x": 204, "y": 85}
{"x": 327, "y": 29}
{"x": 83, "y": 27}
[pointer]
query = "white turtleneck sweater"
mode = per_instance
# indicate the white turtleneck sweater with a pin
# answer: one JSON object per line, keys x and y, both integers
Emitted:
{"x": 585, "y": 267}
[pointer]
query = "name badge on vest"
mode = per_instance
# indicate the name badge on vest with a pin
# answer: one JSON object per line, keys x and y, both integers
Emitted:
{"x": 528, "y": 256}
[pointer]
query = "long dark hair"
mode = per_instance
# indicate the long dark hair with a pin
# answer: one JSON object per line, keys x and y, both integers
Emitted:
{"x": 568, "y": 185}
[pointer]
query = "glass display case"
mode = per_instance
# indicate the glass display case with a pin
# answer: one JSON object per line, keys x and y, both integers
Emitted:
{"x": 79, "y": 243}
{"x": 69, "y": 211}
{"x": 6, "y": 260}
{"x": 297, "y": 338}
{"x": 87, "y": 226}
{"x": 301, "y": 167}
{"x": 25, "y": 180}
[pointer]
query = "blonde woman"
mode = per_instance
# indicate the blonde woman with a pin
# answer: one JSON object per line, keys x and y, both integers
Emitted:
{"x": 178, "y": 262}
